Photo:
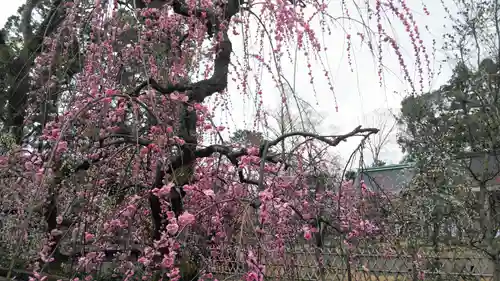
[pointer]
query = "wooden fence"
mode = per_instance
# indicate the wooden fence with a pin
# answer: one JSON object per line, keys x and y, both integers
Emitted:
{"x": 307, "y": 263}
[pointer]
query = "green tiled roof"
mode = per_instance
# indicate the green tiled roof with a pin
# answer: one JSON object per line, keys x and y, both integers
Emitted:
{"x": 396, "y": 177}
{"x": 389, "y": 167}
{"x": 391, "y": 178}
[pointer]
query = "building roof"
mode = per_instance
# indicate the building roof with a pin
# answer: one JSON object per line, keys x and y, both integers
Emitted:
{"x": 393, "y": 178}
{"x": 389, "y": 178}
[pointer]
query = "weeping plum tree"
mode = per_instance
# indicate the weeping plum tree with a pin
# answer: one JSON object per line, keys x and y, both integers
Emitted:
{"x": 105, "y": 106}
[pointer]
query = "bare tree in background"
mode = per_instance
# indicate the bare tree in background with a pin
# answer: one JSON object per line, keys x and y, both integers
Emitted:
{"x": 384, "y": 120}
{"x": 295, "y": 114}
{"x": 298, "y": 114}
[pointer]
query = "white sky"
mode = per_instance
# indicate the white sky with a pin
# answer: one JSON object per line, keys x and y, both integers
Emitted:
{"x": 358, "y": 94}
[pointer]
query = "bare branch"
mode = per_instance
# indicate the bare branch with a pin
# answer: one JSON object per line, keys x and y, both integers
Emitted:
{"x": 337, "y": 139}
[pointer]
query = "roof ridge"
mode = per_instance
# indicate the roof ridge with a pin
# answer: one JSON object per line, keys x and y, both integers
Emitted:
{"x": 388, "y": 167}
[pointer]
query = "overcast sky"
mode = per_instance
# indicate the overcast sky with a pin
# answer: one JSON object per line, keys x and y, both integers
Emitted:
{"x": 357, "y": 93}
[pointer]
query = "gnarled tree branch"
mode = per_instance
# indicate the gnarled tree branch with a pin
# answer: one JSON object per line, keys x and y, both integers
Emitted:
{"x": 197, "y": 92}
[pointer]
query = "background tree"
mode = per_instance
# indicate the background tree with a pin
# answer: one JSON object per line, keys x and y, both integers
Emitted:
{"x": 297, "y": 114}
{"x": 385, "y": 120}
{"x": 350, "y": 175}
{"x": 247, "y": 137}
{"x": 452, "y": 135}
